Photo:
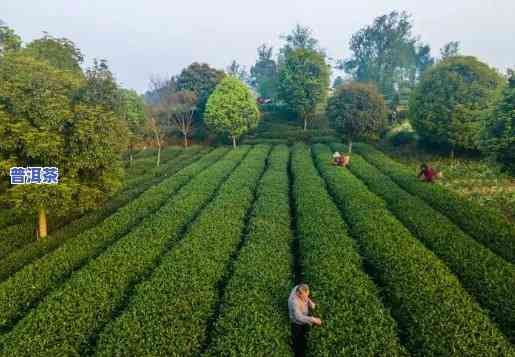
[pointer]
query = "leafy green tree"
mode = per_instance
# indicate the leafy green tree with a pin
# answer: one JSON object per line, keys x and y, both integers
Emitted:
{"x": 264, "y": 73}
{"x": 357, "y": 110}
{"x": 304, "y": 82}
{"x": 450, "y": 49}
{"x": 9, "y": 40}
{"x": 101, "y": 88}
{"x": 498, "y": 137}
{"x": 133, "y": 113}
{"x": 387, "y": 54}
{"x": 301, "y": 37}
{"x": 59, "y": 52}
{"x": 201, "y": 79}
{"x": 43, "y": 123}
{"x": 231, "y": 109}
{"x": 447, "y": 107}
{"x": 238, "y": 71}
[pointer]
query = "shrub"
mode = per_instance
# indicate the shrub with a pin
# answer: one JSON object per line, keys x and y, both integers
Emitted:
{"x": 435, "y": 313}
{"x": 402, "y": 138}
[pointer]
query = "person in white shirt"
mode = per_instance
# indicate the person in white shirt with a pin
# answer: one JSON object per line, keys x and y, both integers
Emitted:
{"x": 299, "y": 304}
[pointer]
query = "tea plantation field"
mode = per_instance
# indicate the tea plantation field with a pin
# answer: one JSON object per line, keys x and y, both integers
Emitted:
{"x": 198, "y": 257}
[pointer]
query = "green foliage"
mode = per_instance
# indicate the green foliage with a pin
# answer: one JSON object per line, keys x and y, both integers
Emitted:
{"x": 356, "y": 110}
{"x": 485, "y": 275}
{"x": 183, "y": 291}
{"x": 450, "y": 49}
{"x": 101, "y": 89}
{"x": 231, "y": 109}
{"x": 264, "y": 73}
{"x": 60, "y": 53}
{"x": 354, "y": 321}
{"x": 9, "y": 40}
{"x": 486, "y": 225}
{"x": 254, "y": 321}
{"x": 41, "y": 124}
{"x": 435, "y": 314}
{"x": 132, "y": 190}
{"x": 498, "y": 137}
{"x": 48, "y": 273}
{"x": 201, "y": 79}
{"x": 403, "y": 137}
{"x": 133, "y": 112}
{"x": 304, "y": 82}
{"x": 95, "y": 293}
{"x": 448, "y": 105}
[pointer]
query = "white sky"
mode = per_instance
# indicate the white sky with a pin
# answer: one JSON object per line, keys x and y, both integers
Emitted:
{"x": 142, "y": 38}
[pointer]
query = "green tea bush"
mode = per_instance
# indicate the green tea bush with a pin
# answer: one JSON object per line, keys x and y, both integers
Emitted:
{"x": 488, "y": 277}
{"x": 354, "y": 321}
{"x": 169, "y": 313}
{"x": 484, "y": 224}
{"x": 48, "y": 273}
{"x": 254, "y": 319}
{"x": 435, "y": 314}
{"x": 87, "y": 301}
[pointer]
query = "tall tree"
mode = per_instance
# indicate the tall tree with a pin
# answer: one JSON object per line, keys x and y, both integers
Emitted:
{"x": 238, "y": 71}
{"x": 101, "y": 88}
{"x": 450, "y": 49}
{"x": 43, "y": 123}
{"x": 133, "y": 113}
{"x": 231, "y": 109}
{"x": 301, "y": 37}
{"x": 264, "y": 73}
{"x": 387, "y": 54}
{"x": 153, "y": 129}
{"x": 304, "y": 82}
{"x": 59, "y": 52}
{"x": 201, "y": 79}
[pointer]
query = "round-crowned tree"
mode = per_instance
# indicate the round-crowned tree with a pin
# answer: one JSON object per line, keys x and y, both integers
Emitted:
{"x": 447, "y": 107}
{"x": 231, "y": 109}
{"x": 357, "y": 110}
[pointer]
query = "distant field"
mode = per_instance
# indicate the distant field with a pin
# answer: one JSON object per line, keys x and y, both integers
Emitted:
{"x": 198, "y": 258}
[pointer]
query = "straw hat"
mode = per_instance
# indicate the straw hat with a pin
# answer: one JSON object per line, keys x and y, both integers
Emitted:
{"x": 336, "y": 154}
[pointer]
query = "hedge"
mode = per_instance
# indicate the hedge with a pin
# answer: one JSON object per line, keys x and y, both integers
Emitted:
{"x": 254, "y": 320}
{"x": 30, "y": 252}
{"x": 354, "y": 321}
{"x": 435, "y": 314}
{"x": 484, "y": 224}
{"x": 87, "y": 301}
{"x": 49, "y": 272}
{"x": 489, "y": 278}
{"x": 169, "y": 313}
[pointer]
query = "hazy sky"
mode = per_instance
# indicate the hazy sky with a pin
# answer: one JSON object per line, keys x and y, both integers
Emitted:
{"x": 142, "y": 38}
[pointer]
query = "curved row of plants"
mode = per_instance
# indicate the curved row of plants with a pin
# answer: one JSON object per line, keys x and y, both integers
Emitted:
{"x": 72, "y": 314}
{"x": 22, "y": 248}
{"x": 355, "y": 323}
{"x": 254, "y": 319}
{"x": 484, "y": 224}
{"x": 435, "y": 313}
{"x": 27, "y": 286}
{"x": 169, "y": 313}
{"x": 488, "y": 277}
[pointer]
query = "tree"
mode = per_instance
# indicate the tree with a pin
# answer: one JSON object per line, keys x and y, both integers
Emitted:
{"x": 451, "y": 49}
{"x": 59, "y": 52}
{"x": 304, "y": 82}
{"x": 231, "y": 109}
{"x": 264, "y": 73}
{"x": 9, "y": 40}
{"x": 201, "y": 79}
{"x": 154, "y": 129}
{"x": 160, "y": 88}
{"x": 101, "y": 88}
{"x": 338, "y": 81}
{"x": 447, "y": 106}
{"x": 238, "y": 71}
{"x": 357, "y": 110}
{"x": 498, "y": 136}
{"x": 179, "y": 109}
{"x": 43, "y": 123}
{"x": 387, "y": 54}
{"x": 133, "y": 112}
{"x": 301, "y": 37}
